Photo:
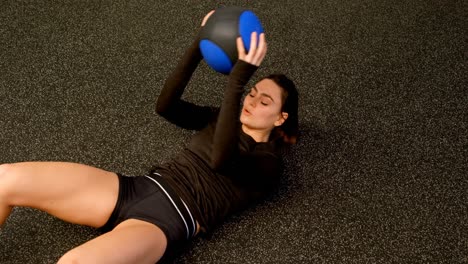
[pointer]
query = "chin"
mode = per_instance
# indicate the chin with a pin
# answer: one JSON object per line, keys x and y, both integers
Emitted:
{"x": 243, "y": 119}
{"x": 248, "y": 123}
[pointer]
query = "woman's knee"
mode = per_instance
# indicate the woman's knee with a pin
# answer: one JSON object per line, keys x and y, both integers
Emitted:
{"x": 72, "y": 257}
{"x": 80, "y": 255}
{"x": 4, "y": 168}
{"x": 9, "y": 172}
{"x": 7, "y": 175}
{"x": 12, "y": 182}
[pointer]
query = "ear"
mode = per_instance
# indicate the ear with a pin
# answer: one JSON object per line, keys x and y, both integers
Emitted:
{"x": 283, "y": 116}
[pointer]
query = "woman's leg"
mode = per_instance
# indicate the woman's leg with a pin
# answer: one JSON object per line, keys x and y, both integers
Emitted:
{"x": 132, "y": 241}
{"x": 73, "y": 192}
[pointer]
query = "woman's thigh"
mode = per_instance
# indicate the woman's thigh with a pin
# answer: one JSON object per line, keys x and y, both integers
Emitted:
{"x": 132, "y": 241}
{"x": 73, "y": 192}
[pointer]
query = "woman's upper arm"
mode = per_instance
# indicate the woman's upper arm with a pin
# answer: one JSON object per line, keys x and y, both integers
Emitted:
{"x": 187, "y": 115}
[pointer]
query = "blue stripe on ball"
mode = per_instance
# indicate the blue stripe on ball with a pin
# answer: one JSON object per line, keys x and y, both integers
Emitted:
{"x": 215, "y": 57}
{"x": 248, "y": 23}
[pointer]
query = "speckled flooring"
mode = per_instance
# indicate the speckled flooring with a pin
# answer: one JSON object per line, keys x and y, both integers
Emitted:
{"x": 380, "y": 172}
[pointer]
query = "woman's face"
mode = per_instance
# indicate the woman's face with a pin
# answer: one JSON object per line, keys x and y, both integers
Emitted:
{"x": 262, "y": 106}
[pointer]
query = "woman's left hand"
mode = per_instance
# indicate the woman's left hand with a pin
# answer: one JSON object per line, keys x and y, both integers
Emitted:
{"x": 256, "y": 52}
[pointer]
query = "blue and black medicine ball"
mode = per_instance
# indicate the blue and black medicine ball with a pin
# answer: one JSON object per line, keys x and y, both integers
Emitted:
{"x": 218, "y": 36}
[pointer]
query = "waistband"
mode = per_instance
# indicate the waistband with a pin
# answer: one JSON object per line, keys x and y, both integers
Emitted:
{"x": 179, "y": 205}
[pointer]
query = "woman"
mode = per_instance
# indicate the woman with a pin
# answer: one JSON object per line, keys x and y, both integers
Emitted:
{"x": 231, "y": 162}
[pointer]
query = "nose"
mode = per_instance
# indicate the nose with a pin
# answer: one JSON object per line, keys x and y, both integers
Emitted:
{"x": 253, "y": 102}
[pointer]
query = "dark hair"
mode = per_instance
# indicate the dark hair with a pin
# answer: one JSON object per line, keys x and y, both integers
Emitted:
{"x": 289, "y": 130}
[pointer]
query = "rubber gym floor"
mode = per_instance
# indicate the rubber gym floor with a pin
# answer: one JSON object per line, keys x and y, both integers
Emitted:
{"x": 379, "y": 174}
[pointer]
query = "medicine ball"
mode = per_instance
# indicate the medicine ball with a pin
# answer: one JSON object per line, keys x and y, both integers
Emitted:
{"x": 218, "y": 36}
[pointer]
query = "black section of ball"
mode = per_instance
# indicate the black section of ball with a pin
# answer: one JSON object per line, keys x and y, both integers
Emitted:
{"x": 222, "y": 28}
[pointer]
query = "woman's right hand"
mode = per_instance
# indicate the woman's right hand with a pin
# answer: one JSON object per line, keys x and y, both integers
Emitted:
{"x": 256, "y": 52}
{"x": 206, "y": 17}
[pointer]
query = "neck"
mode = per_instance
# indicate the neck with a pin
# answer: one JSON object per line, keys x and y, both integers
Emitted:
{"x": 257, "y": 135}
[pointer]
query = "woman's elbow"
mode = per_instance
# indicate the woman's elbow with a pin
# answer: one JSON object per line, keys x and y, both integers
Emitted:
{"x": 217, "y": 164}
{"x": 161, "y": 108}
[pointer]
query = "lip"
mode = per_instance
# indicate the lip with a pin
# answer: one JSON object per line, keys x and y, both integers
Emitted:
{"x": 247, "y": 111}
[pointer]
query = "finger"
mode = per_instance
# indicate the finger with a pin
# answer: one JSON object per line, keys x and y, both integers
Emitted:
{"x": 262, "y": 56}
{"x": 240, "y": 48}
{"x": 253, "y": 43}
{"x": 262, "y": 48}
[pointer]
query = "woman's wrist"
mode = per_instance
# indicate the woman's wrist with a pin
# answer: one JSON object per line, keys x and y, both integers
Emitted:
{"x": 243, "y": 70}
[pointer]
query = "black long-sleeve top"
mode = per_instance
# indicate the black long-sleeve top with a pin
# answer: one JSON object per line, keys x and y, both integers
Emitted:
{"x": 222, "y": 170}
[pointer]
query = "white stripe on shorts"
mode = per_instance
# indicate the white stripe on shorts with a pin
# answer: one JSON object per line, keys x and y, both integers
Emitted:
{"x": 191, "y": 218}
{"x": 173, "y": 203}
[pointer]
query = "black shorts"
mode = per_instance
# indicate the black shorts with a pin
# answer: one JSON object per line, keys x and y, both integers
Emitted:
{"x": 150, "y": 199}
